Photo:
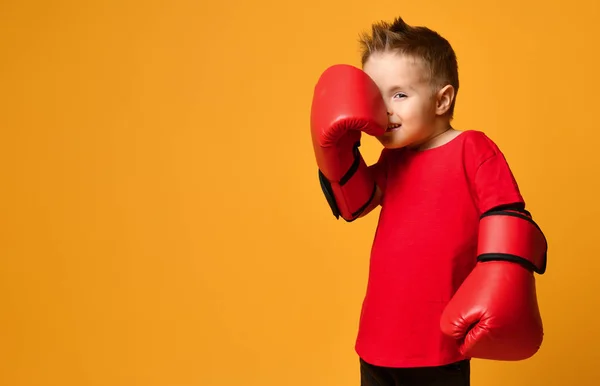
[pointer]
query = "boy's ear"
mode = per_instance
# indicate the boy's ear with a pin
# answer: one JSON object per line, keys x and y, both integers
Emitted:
{"x": 444, "y": 99}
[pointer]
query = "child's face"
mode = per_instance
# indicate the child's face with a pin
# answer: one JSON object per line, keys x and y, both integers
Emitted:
{"x": 408, "y": 95}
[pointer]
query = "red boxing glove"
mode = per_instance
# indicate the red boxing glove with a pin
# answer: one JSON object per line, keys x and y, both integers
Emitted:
{"x": 346, "y": 102}
{"x": 495, "y": 311}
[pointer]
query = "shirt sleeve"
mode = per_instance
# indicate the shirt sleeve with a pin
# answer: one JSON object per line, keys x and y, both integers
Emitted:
{"x": 493, "y": 182}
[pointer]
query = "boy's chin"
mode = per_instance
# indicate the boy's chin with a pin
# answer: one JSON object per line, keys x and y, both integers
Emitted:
{"x": 391, "y": 142}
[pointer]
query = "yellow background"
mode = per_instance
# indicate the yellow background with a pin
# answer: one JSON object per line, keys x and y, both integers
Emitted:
{"x": 162, "y": 222}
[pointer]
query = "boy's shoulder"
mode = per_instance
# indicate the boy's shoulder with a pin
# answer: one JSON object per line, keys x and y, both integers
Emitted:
{"x": 477, "y": 138}
{"x": 478, "y": 145}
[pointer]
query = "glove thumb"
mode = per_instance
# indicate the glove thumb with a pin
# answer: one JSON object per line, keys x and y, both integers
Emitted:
{"x": 466, "y": 327}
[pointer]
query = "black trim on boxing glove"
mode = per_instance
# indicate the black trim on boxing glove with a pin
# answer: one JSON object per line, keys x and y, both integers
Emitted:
{"x": 354, "y": 167}
{"x": 513, "y": 259}
{"x": 517, "y": 206}
{"x": 328, "y": 191}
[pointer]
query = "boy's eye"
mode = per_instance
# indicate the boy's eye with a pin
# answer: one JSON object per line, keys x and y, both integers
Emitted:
{"x": 400, "y": 95}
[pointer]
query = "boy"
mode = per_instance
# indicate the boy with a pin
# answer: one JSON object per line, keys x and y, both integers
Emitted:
{"x": 455, "y": 251}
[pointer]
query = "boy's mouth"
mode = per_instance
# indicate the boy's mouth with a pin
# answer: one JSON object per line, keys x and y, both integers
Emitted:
{"x": 393, "y": 127}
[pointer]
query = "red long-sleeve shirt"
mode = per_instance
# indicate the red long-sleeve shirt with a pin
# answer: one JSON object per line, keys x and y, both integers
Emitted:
{"x": 425, "y": 245}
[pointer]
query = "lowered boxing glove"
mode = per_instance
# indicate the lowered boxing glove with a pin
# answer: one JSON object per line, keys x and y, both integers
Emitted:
{"x": 495, "y": 314}
{"x": 346, "y": 102}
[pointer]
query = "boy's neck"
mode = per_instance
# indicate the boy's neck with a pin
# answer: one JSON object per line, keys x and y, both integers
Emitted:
{"x": 439, "y": 136}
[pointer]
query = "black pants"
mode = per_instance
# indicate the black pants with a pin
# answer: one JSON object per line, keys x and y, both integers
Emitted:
{"x": 454, "y": 374}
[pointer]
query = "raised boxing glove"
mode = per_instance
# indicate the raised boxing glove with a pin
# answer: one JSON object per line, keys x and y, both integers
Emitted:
{"x": 346, "y": 102}
{"x": 495, "y": 314}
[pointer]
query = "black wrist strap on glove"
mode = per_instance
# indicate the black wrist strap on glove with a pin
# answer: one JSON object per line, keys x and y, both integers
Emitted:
{"x": 508, "y": 233}
{"x": 327, "y": 188}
